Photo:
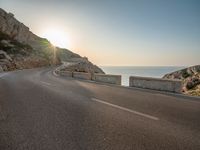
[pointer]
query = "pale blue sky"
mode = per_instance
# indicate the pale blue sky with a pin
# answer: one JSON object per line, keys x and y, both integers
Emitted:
{"x": 119, "y": 32}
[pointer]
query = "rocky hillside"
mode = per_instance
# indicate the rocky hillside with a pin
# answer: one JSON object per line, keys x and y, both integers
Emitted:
{"x": 190, "y": 77}
{"x": 20, "y": 48}
{"x": 80, "y": 65}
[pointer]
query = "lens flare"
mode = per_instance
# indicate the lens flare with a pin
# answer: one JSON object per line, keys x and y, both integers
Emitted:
{"x": 56, "y": 37}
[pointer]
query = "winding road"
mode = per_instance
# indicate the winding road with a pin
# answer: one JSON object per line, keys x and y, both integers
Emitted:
{"x": 42, "y": 111}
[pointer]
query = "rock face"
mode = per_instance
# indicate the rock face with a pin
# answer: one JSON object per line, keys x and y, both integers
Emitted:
{"x": 190, "y": 77}
{"x": 81, "y": 65}
{"x": 16, "y": 30}
{"x": 27, "y": 50}
{"x": 5, "y": 61}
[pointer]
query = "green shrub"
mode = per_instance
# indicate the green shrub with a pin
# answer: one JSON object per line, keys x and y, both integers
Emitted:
{"x": 185, "y": 74}
{"x": 4, "y": 36}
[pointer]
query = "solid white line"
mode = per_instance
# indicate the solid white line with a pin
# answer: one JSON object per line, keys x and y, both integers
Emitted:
{"x": 55, "y": 74}
{"x": 46, "y": 83}
{"x": 3, "y": 74}
{"x": 126, "y": 109}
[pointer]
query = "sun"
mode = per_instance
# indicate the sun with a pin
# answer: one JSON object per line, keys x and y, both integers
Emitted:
{"x": 56, "y": 37}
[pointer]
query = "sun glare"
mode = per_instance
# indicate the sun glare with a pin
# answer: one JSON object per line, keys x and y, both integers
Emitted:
{"x": 57, "y": 37}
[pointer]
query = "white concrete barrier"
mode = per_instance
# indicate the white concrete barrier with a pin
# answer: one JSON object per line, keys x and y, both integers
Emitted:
{"x": 66, "y": 73}
{"x": 106, "y": 78}
{"x": 57, "y": 72}
{"x": 156, "y": 84}
{"x": 82, "y": 75}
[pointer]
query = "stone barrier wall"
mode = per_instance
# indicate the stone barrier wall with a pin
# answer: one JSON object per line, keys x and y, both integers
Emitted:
{"x": 156, "y": 84}
{"x": 82, "y": 75}
{"x": 134, "y": 81}
{"x": 66, "y": 73}
{"x": 106, "y": 78}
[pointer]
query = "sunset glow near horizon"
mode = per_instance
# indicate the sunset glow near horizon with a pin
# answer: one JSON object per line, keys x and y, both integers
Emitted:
{"x": 56, "y": 36}
{"x": 117, "y": 32}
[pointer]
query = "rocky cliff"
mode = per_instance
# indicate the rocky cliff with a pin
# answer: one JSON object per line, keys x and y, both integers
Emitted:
{"x": 20, "y": 48}
{"x": 190, "y": 77}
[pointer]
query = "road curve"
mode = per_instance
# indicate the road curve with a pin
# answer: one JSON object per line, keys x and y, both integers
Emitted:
{"x": 41, "y": 111}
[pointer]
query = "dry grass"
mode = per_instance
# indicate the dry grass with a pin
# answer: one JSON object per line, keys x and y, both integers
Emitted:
{"x": 194, "y": 92}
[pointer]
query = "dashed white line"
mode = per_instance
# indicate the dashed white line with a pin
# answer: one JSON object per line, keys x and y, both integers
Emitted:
{"x": 126, "y": 109}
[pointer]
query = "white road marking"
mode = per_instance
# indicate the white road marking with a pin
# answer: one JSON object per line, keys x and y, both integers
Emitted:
{"x": 55, "y": 74}
{"x": 3, "y": 74}
{"x": 126, "y": 109}
{"x": 46, "y": 83}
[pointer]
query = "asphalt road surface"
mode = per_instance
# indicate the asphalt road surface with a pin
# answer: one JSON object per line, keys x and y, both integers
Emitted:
{"x": 41, "y": 111}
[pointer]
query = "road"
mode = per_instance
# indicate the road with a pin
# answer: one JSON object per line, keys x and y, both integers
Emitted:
{"x": 41, "y": 111}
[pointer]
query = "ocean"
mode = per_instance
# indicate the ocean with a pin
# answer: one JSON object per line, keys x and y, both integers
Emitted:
{"x": 151, "y": 71}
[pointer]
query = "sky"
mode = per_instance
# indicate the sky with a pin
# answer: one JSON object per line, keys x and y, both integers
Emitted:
{"x": 118, "y": 32}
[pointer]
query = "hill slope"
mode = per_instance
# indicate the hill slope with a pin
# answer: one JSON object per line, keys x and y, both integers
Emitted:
{"x": 27, "y": 50}
{"x": 190, "y": 77}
